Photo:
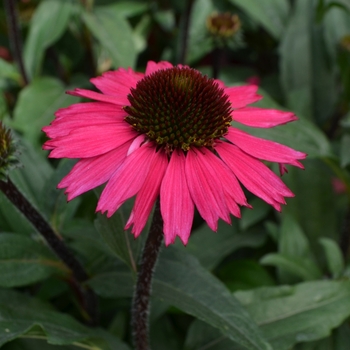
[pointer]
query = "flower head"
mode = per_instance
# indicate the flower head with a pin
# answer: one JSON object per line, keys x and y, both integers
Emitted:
{"x": 168, "y": 133}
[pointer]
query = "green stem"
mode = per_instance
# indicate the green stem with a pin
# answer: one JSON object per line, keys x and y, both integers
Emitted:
{"x": 141, "y": 301}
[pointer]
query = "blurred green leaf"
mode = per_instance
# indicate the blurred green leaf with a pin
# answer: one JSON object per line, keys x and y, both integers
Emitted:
{"x": 49, "y": 22}
{"x": 36, "y": 106}
{"x": 22, "y": 316}
{"x": 211, "y": 248}
{"x": 244, "y": 274}
{"x": 182, "y": 282}
{"x": 24, "y": 261}
{"x": 334, "y": 257}
{"x": 307, "y": 78}
{"x": 313, "y": 206}
{"x": 294, "y": 245}
{"x": 252, "y": 216}
{"x": 199, "y": 42}
{"x": 114, "y": 34}
{"x": 307, "y": 270}
{"x": 345, "y": 151}
{"x": 9, "y": 71}
{"x": 53, "y": 201}
{"x": 271, "y": 14}
{"x": 120, "y": 242}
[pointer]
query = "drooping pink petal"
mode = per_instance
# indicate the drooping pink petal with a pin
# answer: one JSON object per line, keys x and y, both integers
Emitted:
{"x": 127, "y": 180}
{"x": 282, "y": 168}
{"x": 148, "y": 194}
{"x": 206, "y": 192}
{"x": 118, "y": 100}
{"x": 153, "y": 66}
{"x": 264, "y": 149}
{"x": 176, "y": 204}
{"x": 89, "y": 173}
{"x": 118, "y": 83}
{"x": 90, "y": 141}
{"x": 254, "y": 175}
{"x": 240, "y": 96}
{"x": 262, "y": 117}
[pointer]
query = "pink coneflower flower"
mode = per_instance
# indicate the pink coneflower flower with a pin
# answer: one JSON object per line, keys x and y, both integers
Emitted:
{"x": 168, "y": 133}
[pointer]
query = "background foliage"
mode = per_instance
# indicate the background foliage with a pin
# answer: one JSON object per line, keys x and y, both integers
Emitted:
{"x": 271, "y": 280}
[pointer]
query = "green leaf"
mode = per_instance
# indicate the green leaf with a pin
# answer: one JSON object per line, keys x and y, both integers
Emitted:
{"x": 114, "y": 34}
{"x": 307, "y": 270}
{"x": 30, "y": 116}
{"x": 252, "y": 216}
{"x": 334, "y": 257}
{"x": 113, "y": 284}
{"x": 120, "y": 242}
{"x": 182, "y": 282}
{"x": 47, "y": 25}
{"x": 205, "y": 244}
{"x": 199, "y": 42}
{"x": 287, "y": 316}
{"x": 344, "y": 151}
{"x": 294, "y": 245}
{"x": 271, "y": 14}
{"x": 307, "y": 79}
{"x": 22, "y": 316}
{"x": 53, "y": 201}
{"x": 244, "y": 274}
{"x": 314, "y": 209}
{"x": 24, "y": 261}
{"x": 305, "y": 312}
{"x": 9, "y": 71}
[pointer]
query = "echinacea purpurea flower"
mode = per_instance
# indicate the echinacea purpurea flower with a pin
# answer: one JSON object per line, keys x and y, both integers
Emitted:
{"x": 169, "y": 133}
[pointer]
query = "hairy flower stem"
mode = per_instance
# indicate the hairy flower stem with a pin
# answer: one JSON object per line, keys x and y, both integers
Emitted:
{"x": 141, "y": 301}
{"x": 15, "y": 36}
{"x": 217, "y": 58}
{"x": 86, "y": 296}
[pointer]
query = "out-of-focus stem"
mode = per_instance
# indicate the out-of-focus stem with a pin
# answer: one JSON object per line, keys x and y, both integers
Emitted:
{"x": 15, "y": 37}
{"x": 183, "y": 34}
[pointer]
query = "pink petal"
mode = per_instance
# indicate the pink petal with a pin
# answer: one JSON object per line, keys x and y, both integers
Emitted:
{"x": 118, "y": 83}
{"x": 254, "y": 175}
{"x": 176, "y": 205}
{"x": 261, "y": 117}
{"x": 240, "y": 96}
{"x": 138, "y": 141}
{"x": 205, "y": 187}
{"x": 154, "y": 67}
{"x": 90, "y": 141}
{"x": 264, "y": 149}
{"x": 92, "y": 172}
{"x": 148, "y": 194}
{"x": 127, "y": 180}
{"x": 63, "y": 126}
{"x": 89, "y": 108}
{"x": 282, "y": 169}
{"x": 118, "y": 100}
